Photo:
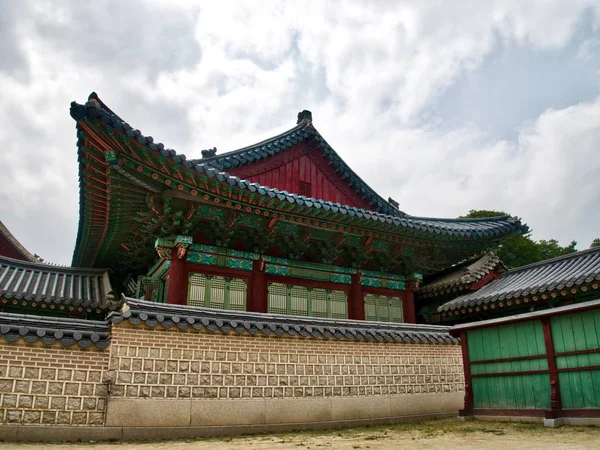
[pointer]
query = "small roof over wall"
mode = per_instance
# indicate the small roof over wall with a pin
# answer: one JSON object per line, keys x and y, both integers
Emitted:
{"x": 554, "y": 279}
{"x": 53, "y": 330}
{"x": 183, "y": 317}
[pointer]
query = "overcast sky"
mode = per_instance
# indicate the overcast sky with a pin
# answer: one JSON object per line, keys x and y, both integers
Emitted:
{"x": 445, "y": 106}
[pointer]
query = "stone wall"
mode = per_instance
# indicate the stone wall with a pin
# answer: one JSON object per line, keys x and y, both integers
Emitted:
{"x": 171, "y": 371}
{"x": 262, "y": 380}
{"x": 51, "y": 385}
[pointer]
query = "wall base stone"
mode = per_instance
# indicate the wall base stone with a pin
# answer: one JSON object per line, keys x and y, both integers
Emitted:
{"x": 85, "y": 434}
{"x": 193, "y": 412}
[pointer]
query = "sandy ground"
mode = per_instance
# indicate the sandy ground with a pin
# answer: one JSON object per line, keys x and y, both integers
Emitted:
{"x": 438, "y": 434}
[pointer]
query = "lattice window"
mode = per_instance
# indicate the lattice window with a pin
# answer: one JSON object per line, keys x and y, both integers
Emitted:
{"x": 302, "y": 301}
{"x": 339, "y": 304}
{"x": 382, "y": 308}
{"x": 319, "y": 303}
{"x": 278, "y": 298}
{"x": 298, "y": 296}
{"x": 217, "y": 292}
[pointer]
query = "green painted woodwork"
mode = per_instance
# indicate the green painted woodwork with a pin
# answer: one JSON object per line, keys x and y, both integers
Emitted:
{"x": 201, "y": 258}
{"x": 512, "y": 391}
{"x": 305, "y": 301}
{"x": 224, "y": 251}
{"x": 575, "y": 332}
{"x": 383, "y": 308}
{"x": 217, "y": 292}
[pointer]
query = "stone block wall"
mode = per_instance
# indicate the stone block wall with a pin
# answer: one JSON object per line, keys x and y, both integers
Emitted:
{"x": 51, "y": 385}
{"x": 182, "y": 378}
{"x": 151, "y": 381}
{"x": 163, "y": 363}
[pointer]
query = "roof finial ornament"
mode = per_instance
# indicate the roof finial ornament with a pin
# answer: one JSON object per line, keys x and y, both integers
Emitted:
{"x": 209, "y": 153}
{"x": 304, "y": 117}
{"x": 394, "y": 203}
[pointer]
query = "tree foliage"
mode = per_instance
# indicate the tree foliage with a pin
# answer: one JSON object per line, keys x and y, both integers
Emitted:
{"x": 595, "y": 243}
{"x": 521, "y": 250}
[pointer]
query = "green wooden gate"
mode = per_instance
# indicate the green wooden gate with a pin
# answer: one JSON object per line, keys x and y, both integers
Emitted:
{"x": 539, "y": 364}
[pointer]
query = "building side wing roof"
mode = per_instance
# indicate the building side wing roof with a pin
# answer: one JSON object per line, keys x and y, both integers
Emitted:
{"x": 54, "y": 285}
{"x": 556, "y": 274}
{"x": 462, "y": 275}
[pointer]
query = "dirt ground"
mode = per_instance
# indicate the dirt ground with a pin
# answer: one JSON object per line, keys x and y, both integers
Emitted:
{"x": 435, "y": 434}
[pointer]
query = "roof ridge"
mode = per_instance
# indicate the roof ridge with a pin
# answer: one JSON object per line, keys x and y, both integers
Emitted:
{"x": 555, "y": 259}
{"x": 248, "y": 147}
{"x": 461, "y": 220}
{"x": 46, "y": 266}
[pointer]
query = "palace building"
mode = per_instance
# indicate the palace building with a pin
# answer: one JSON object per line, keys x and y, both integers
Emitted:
{"x": 281, "y": 226}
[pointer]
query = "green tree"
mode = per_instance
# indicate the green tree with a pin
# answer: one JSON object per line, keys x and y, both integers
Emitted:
{"x": 595, "y": 243}
{"x": 520, "y": 250}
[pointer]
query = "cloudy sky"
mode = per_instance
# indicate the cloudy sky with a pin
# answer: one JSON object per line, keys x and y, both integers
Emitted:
{"x": 444, "y": 106}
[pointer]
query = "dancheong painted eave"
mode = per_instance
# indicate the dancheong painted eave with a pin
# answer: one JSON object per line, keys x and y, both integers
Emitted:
{"x": 122, "y": 172}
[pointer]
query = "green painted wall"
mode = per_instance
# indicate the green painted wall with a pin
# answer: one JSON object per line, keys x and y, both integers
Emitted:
{"x": 509, "y": 391}
{"x": 579, "y": 389}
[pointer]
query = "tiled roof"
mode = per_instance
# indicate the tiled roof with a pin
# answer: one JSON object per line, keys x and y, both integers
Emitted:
{"x": 461, "y": 276}
{"x": 12, "y": 241}
{"x": 493, "y": 227}
{"x": 54, "y": 285}
{"x": 50, "y": 330}
{"x": 286, "y": 140}
{"x": 532, "y": 282}
{"x": 152, "y": 314}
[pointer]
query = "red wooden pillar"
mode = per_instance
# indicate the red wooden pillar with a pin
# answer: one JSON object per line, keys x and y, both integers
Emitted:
{"x": 177, "y": 291}
{"x": 555, "y": 397}
{"x": 258, "y": 289}
{"x": 469, "y": 402}
{"x": 356, "y": 303}
{"x": 408, "y": 305}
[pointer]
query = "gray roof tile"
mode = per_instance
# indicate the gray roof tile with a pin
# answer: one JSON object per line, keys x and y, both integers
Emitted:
{"x": 492, "y": 227}
{"x": 50, "y": 330}
{"x": 462, "y": 275}
{"x": 544, "y": 277}
{"x": 37, "y": 282}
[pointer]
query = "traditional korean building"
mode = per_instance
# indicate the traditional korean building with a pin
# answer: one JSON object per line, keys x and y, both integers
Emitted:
{"x": 282, "y": 226}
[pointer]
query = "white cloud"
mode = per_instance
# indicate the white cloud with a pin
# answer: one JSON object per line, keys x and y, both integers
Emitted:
{"x": 226, "y": 74}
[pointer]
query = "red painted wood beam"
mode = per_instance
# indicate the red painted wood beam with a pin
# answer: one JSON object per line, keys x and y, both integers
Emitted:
{"x": 257, "y": 289}
{"x": 177, "y": 291}
{"x": 485, "y": 280}
{"x": 469, "y": 403}
{"x": 356, "y": 302}
{"x": 555, "y": 397}
{"x": 408, "y": 306}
